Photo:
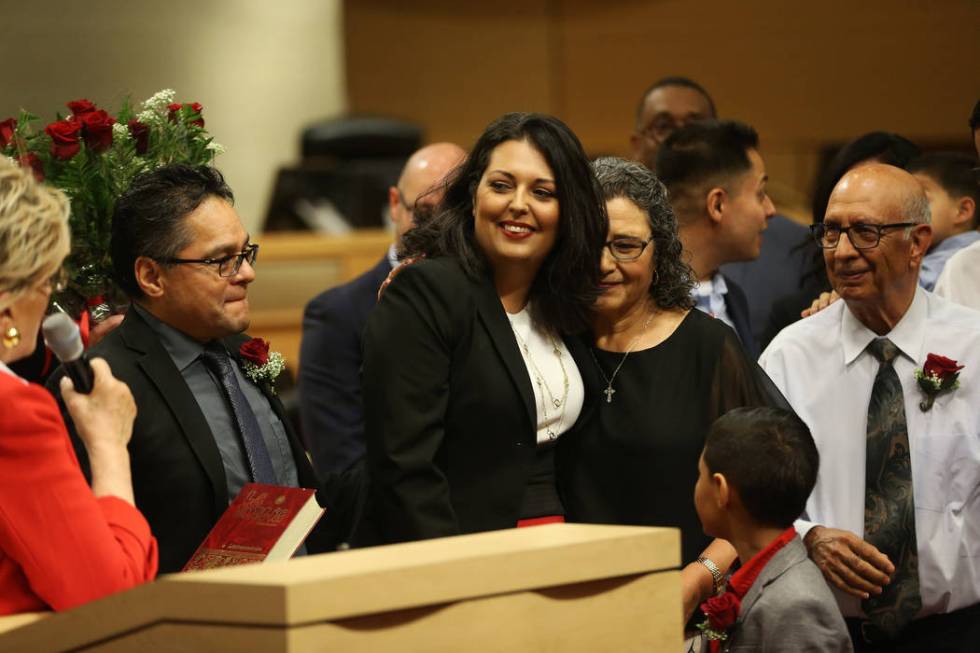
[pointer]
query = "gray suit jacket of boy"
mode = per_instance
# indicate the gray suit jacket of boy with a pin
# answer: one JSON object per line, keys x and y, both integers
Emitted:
{"x": 789, "y": 608}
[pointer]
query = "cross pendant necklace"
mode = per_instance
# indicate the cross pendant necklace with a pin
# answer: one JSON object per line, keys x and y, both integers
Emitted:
{"x": 610, "y": 391}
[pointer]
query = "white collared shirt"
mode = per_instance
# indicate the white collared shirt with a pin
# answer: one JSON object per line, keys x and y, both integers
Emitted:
{"x": 822, "y": 368}
{"x": 960, "y": 279}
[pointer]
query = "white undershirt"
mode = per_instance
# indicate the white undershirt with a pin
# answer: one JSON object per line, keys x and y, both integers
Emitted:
{"x": 542, "y": 355}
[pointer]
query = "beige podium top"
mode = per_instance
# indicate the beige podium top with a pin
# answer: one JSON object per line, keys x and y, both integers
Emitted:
{"x": 363, "y": 581}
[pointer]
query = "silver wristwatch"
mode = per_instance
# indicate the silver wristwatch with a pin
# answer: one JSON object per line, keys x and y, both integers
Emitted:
{"x": 716, "y": 576}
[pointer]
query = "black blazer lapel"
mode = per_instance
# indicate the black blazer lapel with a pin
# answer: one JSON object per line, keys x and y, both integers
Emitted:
{"x": 502, "y": 335}
{"x": 160, "y": 371}
{"x": 738, "y": 310}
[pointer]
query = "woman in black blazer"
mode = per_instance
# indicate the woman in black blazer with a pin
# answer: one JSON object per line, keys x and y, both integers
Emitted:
{"x": 467, "y": 380}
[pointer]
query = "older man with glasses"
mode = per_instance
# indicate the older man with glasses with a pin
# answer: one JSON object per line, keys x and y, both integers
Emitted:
{"x": 887, "y": 382}
{"x": 204, "y": 428}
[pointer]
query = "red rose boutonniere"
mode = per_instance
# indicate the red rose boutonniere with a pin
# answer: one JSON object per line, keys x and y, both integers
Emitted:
{"x": 722, "y": 612}
{"x": 938, "y": 375}
{"x": 260, "y": 364}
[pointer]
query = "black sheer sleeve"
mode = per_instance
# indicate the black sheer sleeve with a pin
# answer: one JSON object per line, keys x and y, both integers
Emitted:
{"x": 738, "y": 381}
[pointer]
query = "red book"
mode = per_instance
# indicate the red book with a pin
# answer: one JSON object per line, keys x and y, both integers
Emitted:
{"x": 265, "y": 523}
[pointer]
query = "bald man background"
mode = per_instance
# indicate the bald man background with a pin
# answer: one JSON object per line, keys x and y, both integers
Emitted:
{"x": 894, "y": 519}
{"x": 330, "y": 354}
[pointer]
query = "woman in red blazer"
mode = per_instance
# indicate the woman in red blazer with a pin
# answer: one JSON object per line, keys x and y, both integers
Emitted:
{"x": 62, "y": 543}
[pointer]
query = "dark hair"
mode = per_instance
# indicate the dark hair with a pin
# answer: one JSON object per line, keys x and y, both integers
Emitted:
{"x": 975, "y": 117}
{"x": 148, "y": 217}
{"x": 702, "y": 153}
{"x": 683, "y": 82}
{"x": 673, "y": 280}
{"x": 769, "y": 457}
{"x": 953, "y": 171}
{"x": 567, "y": 283}
{"x": 885, "y": 147}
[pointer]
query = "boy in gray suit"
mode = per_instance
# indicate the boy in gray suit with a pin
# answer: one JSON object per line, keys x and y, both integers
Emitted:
{"x": 757, "y": 469}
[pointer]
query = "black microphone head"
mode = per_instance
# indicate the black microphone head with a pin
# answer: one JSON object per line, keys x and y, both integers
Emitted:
{"x": 62, "y": 337}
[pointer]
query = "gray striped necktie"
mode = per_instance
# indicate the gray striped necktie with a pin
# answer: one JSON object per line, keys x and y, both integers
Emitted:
{"x": 259, "y": 461}
{"x": 889, "y": 507}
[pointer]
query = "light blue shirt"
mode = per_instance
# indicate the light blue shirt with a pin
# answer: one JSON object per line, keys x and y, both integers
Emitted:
{"x": 935, "y": 260}
{"x": 710, "y": 298}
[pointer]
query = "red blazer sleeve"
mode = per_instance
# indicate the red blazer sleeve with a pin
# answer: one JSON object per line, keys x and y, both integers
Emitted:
{"x": 70, "y": 546}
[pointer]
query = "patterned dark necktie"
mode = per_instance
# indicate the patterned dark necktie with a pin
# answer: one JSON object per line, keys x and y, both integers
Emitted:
{"x": 259, "y": 462}
{"x": 889, "y": 509}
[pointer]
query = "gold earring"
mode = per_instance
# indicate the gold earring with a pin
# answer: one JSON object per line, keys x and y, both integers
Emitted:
{"x": 11, "y": 338}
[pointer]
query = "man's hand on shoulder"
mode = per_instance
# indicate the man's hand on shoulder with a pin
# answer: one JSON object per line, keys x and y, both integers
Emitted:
{"x": 849, "y": 563}
{"x": 824, "y": 300}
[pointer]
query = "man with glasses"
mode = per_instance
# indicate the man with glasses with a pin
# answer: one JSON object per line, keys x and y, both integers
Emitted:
{"x": 894, "y": 519}
{"x": 666, "y": 106}
{"x": 203, "y": 428}
{"x": 330, "y": 354}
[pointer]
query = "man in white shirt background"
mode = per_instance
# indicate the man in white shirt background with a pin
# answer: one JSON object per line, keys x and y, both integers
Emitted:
{"x": 894, "y": 520}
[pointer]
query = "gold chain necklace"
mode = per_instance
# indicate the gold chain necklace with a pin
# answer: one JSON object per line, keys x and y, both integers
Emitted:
{"x": 543, "y": 384}
{"x": 610, "y": 391}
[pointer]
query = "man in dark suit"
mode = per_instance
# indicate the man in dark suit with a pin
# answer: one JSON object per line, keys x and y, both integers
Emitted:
{"x": 204, "y": 427}
{"x": 717, "y": 184}
{"x": 330, "y": 355}
{"x": 668, "y": 105}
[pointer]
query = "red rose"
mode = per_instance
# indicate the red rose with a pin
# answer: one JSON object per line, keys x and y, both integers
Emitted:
{"x": 255, "y": 351}
{"x": 64, "y": 138}
{"x": 97, "y": 130}
{"x": 140, "y": 134}
{"x": 195, "y": 112}
{"x": 722, "y": 611}
{"x": 34, "y": 163}
{"x": 80, "y": 107}
{"x": 942, "y": 367}
{"x": 7, "y": 128}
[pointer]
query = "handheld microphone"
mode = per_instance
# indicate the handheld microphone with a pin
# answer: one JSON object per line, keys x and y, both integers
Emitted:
{"x": 62, "y": 337}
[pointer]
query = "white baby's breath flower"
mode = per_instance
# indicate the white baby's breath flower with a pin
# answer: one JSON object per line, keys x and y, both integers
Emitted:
{"x": 159, "y": 100}
{"x": 120, "y": 131}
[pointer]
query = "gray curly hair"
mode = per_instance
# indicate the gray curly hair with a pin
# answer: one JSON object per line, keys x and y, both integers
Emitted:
{"x": 34, "y": 235}
{"x": 673, "y": 279}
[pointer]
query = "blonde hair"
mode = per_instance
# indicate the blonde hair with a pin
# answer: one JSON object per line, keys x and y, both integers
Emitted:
{"x": 34, "y": 234}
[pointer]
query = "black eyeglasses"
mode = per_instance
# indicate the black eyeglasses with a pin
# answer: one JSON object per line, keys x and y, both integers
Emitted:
{"x": 861, "y": 235}
{"x": 662, "y": 127}
{"x": 228, "y": 266}
{"x": 626, "y": 248}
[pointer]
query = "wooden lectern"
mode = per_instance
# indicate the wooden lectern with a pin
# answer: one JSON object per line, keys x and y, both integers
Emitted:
{"x": 561, "y": 588}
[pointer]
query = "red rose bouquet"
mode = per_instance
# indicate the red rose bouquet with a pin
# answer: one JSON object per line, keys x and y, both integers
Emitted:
{"x": 93, "y": 156}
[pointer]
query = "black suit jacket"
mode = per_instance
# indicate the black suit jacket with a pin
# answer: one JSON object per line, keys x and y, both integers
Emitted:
{"x": 178, "y": 478}
{"x": 331, "y": 405}
{"x": 449, "y": 408}
{"x": 738, "y": 310}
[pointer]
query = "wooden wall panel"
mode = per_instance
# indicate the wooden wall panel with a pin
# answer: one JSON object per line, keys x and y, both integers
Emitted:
{"x": 804, "y": 74}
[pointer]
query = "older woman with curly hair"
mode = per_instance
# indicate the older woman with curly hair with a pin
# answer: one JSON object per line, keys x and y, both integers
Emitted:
{"x": 661, "y": 374}
{"x": 62, "y": 543}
